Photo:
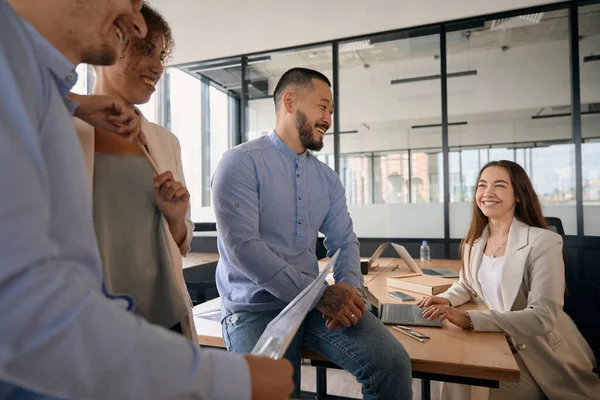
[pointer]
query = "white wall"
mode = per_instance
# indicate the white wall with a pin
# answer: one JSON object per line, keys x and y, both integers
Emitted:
{"x": 211, "y": 29}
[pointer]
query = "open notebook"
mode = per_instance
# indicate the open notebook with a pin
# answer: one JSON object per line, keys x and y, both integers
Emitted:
{"x": 278, "y": 335}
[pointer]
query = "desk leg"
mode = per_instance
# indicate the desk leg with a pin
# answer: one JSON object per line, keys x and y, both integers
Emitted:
{"x": 425, "y": 389}
{"x": 321, "y": 383}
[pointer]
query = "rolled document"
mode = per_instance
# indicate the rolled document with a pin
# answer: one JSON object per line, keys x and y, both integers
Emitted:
{"x": 280, "y": 332}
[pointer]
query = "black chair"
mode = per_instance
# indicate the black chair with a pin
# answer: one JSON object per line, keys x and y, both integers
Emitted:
{"x": 201, "y": 292}
{"x": 200, "y": 282}
{"x": 555, "y": 224}
{"x": 583, "y": 282}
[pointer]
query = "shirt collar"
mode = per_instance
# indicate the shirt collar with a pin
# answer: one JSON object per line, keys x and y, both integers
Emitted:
{"x": 61, "y": 68}
{"x": 283, "y": 148}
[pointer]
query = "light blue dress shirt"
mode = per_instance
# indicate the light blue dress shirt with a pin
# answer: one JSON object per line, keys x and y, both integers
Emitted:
{"x": 270, "y": 205}
{"x": 60, "y": 334}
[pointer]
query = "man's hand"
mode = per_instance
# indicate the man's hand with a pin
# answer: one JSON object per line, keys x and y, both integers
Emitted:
{"x": 109, "y": 113}
{"x": 343, "y": 303}
{"x": 172, "y": 198}
{"x": 271, "y": 379}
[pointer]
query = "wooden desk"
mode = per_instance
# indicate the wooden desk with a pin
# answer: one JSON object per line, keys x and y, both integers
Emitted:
{"x": 198, "y": 259}
{"x": 451, "y": 351}
{"x": 452, "y": 354}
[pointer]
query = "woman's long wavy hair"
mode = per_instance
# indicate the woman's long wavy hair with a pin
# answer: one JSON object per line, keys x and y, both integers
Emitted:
{"x": 527, "y": 209}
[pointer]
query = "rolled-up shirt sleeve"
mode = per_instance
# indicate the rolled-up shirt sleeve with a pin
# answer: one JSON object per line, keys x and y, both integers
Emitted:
{"x": 339, "y": 234}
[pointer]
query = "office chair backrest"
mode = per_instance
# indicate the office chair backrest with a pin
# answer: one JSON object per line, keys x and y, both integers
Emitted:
{"x": 583, "y": 281}
{"x": 555, "y": 224}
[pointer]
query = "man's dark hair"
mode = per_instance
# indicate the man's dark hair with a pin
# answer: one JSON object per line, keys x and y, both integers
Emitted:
{"x": 299, "y": 77}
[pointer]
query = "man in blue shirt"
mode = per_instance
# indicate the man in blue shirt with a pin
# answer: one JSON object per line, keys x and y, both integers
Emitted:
{"x": 272, "y": 197}
{"x": 62, "y": 334}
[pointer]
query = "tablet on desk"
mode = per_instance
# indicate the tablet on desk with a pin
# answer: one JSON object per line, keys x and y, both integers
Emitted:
{"x": 406, "y": 314}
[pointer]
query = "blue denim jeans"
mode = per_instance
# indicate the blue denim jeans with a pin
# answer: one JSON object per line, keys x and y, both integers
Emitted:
{"x": 9, "y": 391}
{"x": 367, "y": 350}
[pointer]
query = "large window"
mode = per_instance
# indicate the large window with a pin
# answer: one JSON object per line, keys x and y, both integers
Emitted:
{"x": 203, "y": 115}
{"x": 390, "y": 117}
{"x": 185, "y": 121}
{"x": 509, "y": 84}
{"x": 508, "y": 91}
{"x": 589, "y": 62}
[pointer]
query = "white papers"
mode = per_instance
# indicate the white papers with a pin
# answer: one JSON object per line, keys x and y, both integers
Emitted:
{"x": 278, "y": 335}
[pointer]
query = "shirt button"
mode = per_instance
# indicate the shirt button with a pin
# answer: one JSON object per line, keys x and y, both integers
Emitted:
{"x": 71, "y": 77}
{"x": 236, "y": 205}
{"x": 521, "y": 347}
{"x": 299, "y": 197}
{"x": 297, "y": 175}
{"x": 299, "y": 222}
{"x": 298, "y": 159}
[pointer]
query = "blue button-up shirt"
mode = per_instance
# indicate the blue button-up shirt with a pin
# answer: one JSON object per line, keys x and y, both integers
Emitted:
{"x": 59, "y": 334}
{"x": 270, "y": 205}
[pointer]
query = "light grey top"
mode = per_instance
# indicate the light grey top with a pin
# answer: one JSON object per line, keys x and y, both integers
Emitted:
{"x": 131, "y": 240}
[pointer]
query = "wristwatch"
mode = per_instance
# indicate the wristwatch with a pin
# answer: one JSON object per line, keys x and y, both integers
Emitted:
{"x": 363, "y": 292}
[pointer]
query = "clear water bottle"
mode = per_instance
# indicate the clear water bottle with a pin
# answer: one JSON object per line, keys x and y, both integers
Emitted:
{"x": 425, "y": 252}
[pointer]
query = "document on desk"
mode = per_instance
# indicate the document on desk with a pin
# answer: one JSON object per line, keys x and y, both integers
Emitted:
{"x": 278, "y": 335}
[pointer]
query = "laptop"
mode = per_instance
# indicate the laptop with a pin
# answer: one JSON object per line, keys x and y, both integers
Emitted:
{"x": 367, "y": 262}
{"x": 441, "y": 272}
{"x": 406, "y": 314}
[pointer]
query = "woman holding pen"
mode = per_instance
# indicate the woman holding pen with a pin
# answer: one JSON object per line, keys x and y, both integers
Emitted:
{"x": 140, "y": 204}
{"x": 515, "y": 265}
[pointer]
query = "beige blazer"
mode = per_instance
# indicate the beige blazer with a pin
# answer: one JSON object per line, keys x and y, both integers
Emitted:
{"x": 164, "y": 148}
{"x": 533, "y": 288}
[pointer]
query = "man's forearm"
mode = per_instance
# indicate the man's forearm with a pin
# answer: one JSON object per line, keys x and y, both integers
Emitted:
{"x": 125, "y": 358}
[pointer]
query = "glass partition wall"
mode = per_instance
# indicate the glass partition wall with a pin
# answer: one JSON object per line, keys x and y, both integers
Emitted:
{"x": 418, "y": 112}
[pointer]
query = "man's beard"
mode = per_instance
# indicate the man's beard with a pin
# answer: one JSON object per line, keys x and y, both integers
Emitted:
{"x": 102, "y": 55}
{"x": 306, "y": 132}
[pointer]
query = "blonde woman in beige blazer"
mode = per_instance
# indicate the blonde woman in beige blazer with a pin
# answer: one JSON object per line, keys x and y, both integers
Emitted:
{"x": 515, "y": 265}
{"x": 133, "y": 78}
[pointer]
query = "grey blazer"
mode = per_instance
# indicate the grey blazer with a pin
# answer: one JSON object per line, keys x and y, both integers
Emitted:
{"x": 533, "y": 288}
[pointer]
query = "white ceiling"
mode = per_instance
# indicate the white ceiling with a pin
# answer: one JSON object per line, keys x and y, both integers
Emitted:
{"x": 211, "y": 29}
{"x": 553, "y": 27}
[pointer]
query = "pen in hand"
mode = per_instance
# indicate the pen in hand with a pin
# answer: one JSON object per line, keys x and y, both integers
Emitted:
{"x": 407, "y": 333}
